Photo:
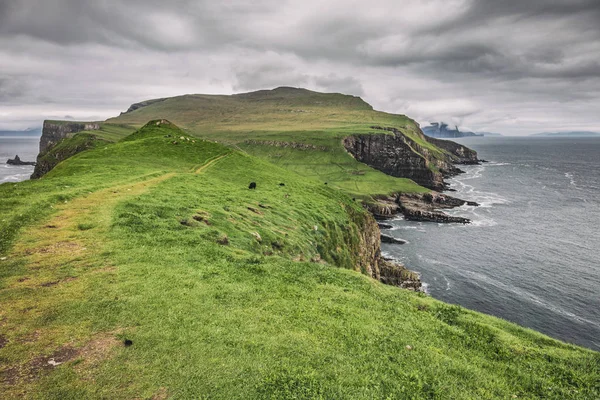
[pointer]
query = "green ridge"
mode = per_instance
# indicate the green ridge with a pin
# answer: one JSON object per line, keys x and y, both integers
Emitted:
{"x": 290, "y": 115}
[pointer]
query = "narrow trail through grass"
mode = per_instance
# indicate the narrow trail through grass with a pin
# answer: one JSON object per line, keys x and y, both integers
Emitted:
{"x": 59, "y": 256}
{"x": 210, "y": 163}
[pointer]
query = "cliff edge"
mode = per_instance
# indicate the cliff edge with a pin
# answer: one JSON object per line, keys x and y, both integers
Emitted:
{"x": 55, "y": 133}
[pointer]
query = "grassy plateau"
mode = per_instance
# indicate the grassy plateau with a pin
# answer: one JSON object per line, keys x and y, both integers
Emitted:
{"x": 145, "y": 268}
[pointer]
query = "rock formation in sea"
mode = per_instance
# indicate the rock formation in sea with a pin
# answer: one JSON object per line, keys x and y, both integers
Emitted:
{"x": 18, "y": 161}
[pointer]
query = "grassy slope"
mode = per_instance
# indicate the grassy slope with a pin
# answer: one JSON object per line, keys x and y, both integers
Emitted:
{"x": 97, "y": 252}
{"x": 290, "y": 115}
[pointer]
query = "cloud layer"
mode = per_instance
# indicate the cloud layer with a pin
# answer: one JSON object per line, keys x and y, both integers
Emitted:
{"x": 511, "y": 66}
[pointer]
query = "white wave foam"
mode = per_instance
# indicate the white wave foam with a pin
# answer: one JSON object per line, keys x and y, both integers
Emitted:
{"x": 15, "y": 178}
{"x": 447, "y": 283}
{"x": 387, "y": 254}
{"x": 571, "y": 179}
{"x": 483, "y": 222}
{"x": 484, "y": 199}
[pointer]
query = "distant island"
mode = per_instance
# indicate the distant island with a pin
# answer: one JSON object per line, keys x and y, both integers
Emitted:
{"x": 31, "y": 132}
{"x": 440, "y": 130}
{"x": 567, "y": 134}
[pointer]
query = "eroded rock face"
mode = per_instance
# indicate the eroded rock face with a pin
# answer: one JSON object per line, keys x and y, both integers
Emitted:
{"x": 54, "y": 132}
{"x": 398, "y": 275}
{"x": 391, "y": 239}
{"x": 372, "y": 262}
{"x": 398, "y": 155}
{"x": 394, "y": 155}
{"x": 463, "y": 154}
{"x": 419, "y": 207}
{"x": 137, "y": 106}
{"x": 369, "y": 247}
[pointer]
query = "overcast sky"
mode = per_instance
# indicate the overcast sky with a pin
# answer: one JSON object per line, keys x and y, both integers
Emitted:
{"x": 508, "y": 66}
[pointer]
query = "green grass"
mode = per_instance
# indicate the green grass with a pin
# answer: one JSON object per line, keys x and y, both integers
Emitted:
{"x": 336, "y": 167}
{"x": 125, "y": 241}
{"x": 113, "y": 132}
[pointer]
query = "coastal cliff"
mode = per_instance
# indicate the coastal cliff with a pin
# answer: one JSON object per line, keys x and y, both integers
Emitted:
{"x": 393, "y": 155}
{"x": 55, "y": 133}
{"x": 398, "y": 155}
{"x": 371, "y": 262}
{"x": 460, "y": 154}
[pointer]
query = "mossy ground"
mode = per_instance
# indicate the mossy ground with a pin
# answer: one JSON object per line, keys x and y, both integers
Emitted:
{"x": 156, "y": 243}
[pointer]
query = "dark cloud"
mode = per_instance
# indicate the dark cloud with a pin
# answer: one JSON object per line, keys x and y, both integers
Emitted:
{"x": 509, "y": 65}
{"x": 267, "y": 73}
{"x": 488, "y": 9}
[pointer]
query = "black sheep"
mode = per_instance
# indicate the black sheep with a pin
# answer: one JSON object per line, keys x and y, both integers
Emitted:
{"x": 252, "y": 185}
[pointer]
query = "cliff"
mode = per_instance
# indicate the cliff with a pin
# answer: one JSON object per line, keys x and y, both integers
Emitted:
{"x": 459, "y": 154}
{"x": 398, "y": 155}
{"x": 64, "y": 149}
{"x": 56, "y": 132}
{"x": 370, "y": 261}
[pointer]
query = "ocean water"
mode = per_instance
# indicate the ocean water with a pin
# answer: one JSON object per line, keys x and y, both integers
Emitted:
{"x": 27, "y": 149}
{"x": 532, "y": 253}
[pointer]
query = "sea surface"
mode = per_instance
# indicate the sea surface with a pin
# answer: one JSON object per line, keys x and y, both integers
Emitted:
{"x": 27, "y": 149}
{"x": 532, "y": 253}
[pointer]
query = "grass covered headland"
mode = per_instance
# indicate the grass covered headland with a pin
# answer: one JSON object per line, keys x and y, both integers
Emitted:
{"x": 145, "y": 268}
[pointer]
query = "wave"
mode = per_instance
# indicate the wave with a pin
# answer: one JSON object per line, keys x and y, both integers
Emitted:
{"x": 485, "y": 199}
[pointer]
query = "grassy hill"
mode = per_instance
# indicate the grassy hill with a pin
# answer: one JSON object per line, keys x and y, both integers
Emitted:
{"x": 147, "y": 269}
{"x": 272, "y": 123}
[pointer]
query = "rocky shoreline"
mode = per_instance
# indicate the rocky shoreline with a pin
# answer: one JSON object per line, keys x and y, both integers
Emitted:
{"x": 426, "y": 207}
{"x": 418, "y": 207}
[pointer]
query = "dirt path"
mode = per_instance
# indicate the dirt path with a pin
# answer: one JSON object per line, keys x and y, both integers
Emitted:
{"x": 60, "y": 258}
{"x": 210, "y": 163}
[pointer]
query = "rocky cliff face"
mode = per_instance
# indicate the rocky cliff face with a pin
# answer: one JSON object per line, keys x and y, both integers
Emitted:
{"x": 393, "y": 155}
{"x": 418, "y": 207}
{"x": 369, "y": 251}
{"x": 373, "y": 264}
{"x": 55, "y": 131}
{"x": 463, "y": 154}
{"x": 398, "y": 155}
